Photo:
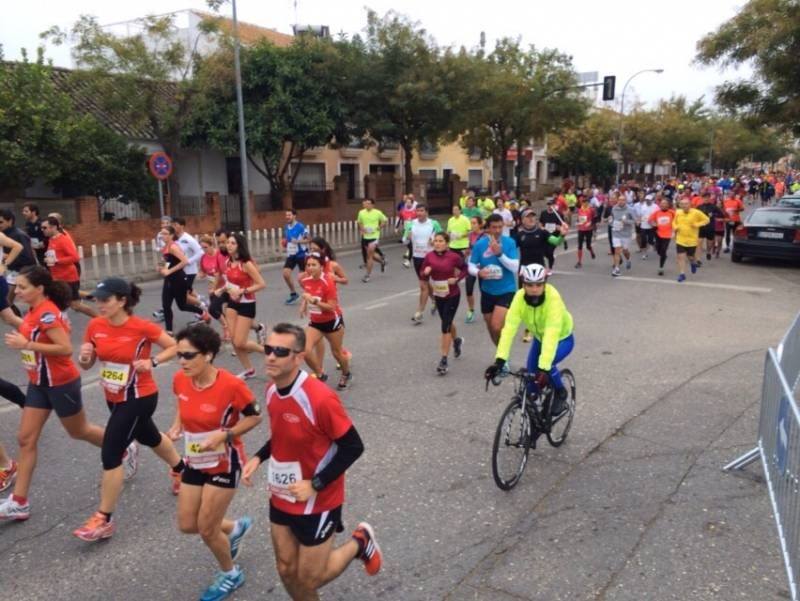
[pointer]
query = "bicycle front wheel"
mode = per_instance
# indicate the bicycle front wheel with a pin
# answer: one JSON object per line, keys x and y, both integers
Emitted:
{"x": 560, "y": 427}
{"x": 512, "y": 441}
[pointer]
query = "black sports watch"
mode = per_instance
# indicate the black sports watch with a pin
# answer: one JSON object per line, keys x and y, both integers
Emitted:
{"x": 317, "y": 484}
{"x": 154, "y": 361}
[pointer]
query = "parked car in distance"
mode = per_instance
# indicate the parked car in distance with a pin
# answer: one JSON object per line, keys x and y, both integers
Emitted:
{"x": 768, "y": 233}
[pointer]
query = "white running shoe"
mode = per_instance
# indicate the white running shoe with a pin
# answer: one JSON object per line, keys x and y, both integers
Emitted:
{"x": 130, "y": 460}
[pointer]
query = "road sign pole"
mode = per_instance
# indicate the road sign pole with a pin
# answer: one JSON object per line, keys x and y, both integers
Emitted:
{"x": 160, "y": 198}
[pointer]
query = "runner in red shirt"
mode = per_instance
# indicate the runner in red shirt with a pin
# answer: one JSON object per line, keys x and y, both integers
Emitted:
{"x": 54, "y": 382}
{"x": 733, "y": 208}
{"x": 320, "y": 301}
{"x": 122, "y": 341}
{"x": 215, "y": 408}
{"x": 212, "y": 267}
{"x": 313, "y": 443}
{"x": 584, "y": 215}
{"x": 662, "y": 221}
{"x": 62, "y": 258}
{"x": 444, "y": 269}
{"x": 242, "y": 281}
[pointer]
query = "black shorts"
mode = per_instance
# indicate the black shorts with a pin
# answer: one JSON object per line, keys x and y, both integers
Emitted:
{"x": 707, "y": 233}
{"x": 243, "y": 309}
{"x": 490, "y": 301}
{"x": 65, "y": 399}
{"x": 327, "y": 327}
{"x": 189, "y": 277}
{"x": 75, "y": 290}
{"x": 312, "y": 529}
{"x": 689, "y": 250}
{"x": 229, "y": 479}
{"x": 418, "y": 268}
{"x": 293, "y": 261}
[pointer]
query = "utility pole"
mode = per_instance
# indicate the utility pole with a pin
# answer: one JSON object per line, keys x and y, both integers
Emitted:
{"x": 244, "y": 200}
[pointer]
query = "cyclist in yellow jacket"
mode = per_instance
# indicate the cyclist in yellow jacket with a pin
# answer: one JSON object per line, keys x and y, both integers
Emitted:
{"x": 686, "y": 224}
{"x": 539, "y": 306}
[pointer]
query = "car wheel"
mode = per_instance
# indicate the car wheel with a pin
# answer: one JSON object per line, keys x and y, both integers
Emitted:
{"x": 736, "y": 257}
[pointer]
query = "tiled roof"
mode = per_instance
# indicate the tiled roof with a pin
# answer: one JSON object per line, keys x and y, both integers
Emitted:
{"x": 249, "y": 33}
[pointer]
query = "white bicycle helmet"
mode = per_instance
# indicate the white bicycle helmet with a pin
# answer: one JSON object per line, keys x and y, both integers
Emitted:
{"x": 533, "y": 273}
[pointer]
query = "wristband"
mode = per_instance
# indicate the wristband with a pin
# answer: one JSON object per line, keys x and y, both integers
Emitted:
{"x": 228, "y": 436}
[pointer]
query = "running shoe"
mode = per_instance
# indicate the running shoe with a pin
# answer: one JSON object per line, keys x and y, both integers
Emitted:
{"x": 458, "y": 345}
{"x": 223, "y": 585}
{"x": 95, "y": 528}
{"x": 406, "y": 263}
{"x": 660, "y": 272}
{"x": 368, "y": 549}
{"x": 441, "y": 369}
{"x": 11, "y": 510}
{"x": 365, "y": 279}
{"x": 261, "y": 334}
{"x": 615, "y": 271}
{"x": 591, "y": 252}
{"x": 292, "y": 298}
{"x": 345, "y": 380}
{"x": 559, "y": 407}
{"x": 240, "y": 529}
{"x": 323, "y": 377}
{"x": 175, "y": 482}
{"x": 727, "y": 250}
{"x": 578, "y": 265}
{"x": 505, "y": 371}
{"x": 708, "y": 256}
{"x": 644, "y": 257}
{"x": 527, "y": 336}
{"x": 628, "y": 264}
{"x": 417, "y": 318}
{"x": 8, "y": 475}
{"x": 130, "y": 460}
{"x": 470, "y": 317}
{"x": 159, "y": 315}
{"x": 682, "y": 278}
{"x": 694, "y": 267}
{"x": 383, "y": 265}
{"x": 246, "y": 374}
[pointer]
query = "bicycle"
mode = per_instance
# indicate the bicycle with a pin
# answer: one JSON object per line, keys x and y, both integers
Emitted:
{"x": 523, "y": 421}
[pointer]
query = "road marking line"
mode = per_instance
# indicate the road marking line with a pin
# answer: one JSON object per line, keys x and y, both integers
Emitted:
{"x": 9, "y": 409}
{"x": 376, "y": 306}
{"x": 672, "y": 282}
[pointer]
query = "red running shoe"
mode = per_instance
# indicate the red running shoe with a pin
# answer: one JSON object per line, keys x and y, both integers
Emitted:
{"x": 370, "y": 552}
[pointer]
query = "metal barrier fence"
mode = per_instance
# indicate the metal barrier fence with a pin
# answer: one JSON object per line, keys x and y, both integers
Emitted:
{"x": 140, "y": 259}
{"x": 779, "y": 446}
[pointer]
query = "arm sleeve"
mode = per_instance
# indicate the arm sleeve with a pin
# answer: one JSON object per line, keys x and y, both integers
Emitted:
{"x": 196, "y": 251}
{"x": 510, "y": 257}
{"x": 349, "y": 447}
{"x": 513, "y": 319}
{"x": 265, "y": 451}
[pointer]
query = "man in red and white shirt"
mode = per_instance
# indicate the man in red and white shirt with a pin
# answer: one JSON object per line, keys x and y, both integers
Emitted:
{"x": 313, "y": 443}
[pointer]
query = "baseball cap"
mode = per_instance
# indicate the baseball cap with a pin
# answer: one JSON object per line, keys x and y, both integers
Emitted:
{"x": 111, "y": 287}
{"x": 527, "y": 212}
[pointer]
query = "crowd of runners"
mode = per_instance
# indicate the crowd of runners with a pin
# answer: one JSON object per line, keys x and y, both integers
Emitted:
{"x": 500, "y": 247}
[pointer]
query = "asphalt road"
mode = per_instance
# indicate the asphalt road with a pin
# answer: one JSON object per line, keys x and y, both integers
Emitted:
{"x": 632, "y": 506}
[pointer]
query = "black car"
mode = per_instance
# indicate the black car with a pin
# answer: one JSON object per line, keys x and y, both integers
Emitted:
{"x": 768, "y": 233}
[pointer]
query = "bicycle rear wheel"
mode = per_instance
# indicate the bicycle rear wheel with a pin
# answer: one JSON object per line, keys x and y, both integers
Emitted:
{"x": 560, "y": 427}
{"x": 511, "y": 445}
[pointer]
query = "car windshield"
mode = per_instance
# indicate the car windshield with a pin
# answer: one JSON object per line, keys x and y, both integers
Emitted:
{"x": 790, "y": 201}
{"x": 775, "y": 218}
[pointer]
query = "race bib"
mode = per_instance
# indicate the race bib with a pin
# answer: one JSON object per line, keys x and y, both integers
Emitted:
{"x": 369, "y": 230}
{"x": 315, "y": 309}
{"x": 582, "y": 219}
{"x": 280, "y": 475}
{"x": 617, "y": 226}
{"x": 731, "y": 212}
{"x": 50, "y": 256}
{"x": 35, "y": 243}
{"x": 664, "y": 220}
{"x": 550, "y": 227}
{"x": 420, "y": 250}
{"x": 28, "y": 359}
{"x": 440, "y": 288}
{"x": 114, "y": 376}
{"x": 495, "y": 272}
{"x": 197, "y": 458}
{"x": 454, "y": 236}
{"x": 291, "y": 248}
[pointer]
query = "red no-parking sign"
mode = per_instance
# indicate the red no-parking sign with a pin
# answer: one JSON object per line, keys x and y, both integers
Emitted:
{"x": 160, "y": 165}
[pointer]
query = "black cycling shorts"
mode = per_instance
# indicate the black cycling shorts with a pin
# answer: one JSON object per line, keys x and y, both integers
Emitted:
{"x": 312, "y": 529}
{"x": 328, "y": 327}
{"x": 447, "y": 308}
{"x": 229, "y": 479}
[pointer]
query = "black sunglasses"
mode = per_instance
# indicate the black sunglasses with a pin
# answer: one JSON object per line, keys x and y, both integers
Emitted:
{"x": 280, "y": 351}
{"x": 187, "y": 355}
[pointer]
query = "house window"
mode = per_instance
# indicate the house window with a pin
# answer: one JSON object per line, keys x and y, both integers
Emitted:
{"x": 475, "y": 178}
{"x": 427, "y": 174}
{"x": 311, "y": 175}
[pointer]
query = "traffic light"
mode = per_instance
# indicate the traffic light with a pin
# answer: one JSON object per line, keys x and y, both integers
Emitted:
{"x": 608, "y": 87}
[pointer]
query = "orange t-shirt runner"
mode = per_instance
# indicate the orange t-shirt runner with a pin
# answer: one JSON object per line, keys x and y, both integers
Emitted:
{"x": 46, "y": 370}
{"x": 662, "y": 220}
{"x": 117, "y": 347}
{"x": 733, "y": 208}
{"x": 62, "y": 248}
{"x": 214, "y": 408}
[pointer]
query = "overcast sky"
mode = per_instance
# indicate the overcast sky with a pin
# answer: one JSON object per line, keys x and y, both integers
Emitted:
{"x": 613, "y": 37}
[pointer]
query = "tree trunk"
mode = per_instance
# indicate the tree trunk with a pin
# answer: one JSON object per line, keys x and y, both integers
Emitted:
{"x": 504, "y": 167}
{"x": 518, "y": 169}
{"x": 408, "y": 176}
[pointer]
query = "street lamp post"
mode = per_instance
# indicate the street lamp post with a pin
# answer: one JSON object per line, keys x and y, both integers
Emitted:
{"x": 622, "y": 114}
{"x": 244, "y": 200}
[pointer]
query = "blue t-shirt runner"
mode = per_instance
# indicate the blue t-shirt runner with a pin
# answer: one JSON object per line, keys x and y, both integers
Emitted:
{"x": 295, "y": 239}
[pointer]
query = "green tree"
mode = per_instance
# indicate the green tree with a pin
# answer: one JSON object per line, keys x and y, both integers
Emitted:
{"x": 687, "y": 135}
{"x": 586, "y": 149}
{"x": 766, "y": 35}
